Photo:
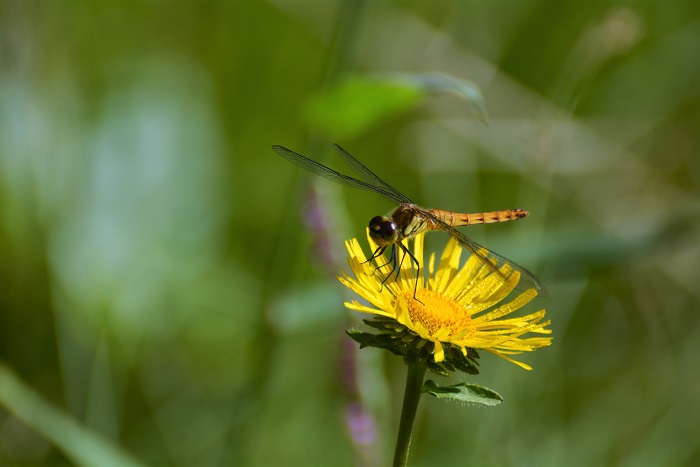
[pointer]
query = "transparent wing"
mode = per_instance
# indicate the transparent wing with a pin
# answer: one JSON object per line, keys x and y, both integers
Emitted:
{"x": 369, "y": 176}
{"x": 332, "y": 175}
{"x": 492, "y": 260}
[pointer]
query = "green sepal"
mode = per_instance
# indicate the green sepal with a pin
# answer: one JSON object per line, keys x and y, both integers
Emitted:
{"x": 380, "y": 341}
{"x": 401, "y": 341}
{"x": 466, "y": 363}
{"x": 463, "y": 392}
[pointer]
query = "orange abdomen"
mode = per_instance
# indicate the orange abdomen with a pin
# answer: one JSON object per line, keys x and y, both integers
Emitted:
{"x": 455, "y": 219}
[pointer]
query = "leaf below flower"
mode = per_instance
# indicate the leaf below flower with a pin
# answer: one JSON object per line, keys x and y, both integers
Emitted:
{"x": 462, "y": 392}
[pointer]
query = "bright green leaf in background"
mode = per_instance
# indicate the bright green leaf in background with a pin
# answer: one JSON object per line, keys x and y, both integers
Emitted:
{"x": 358, "y": 103}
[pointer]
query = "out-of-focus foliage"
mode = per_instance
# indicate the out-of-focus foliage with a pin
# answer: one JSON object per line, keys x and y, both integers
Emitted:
{"x": 357, "y": 104}
{"x": 167, "y": 280}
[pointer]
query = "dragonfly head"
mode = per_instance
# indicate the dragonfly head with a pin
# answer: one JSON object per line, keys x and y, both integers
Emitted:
{"x": 383, "y": 230}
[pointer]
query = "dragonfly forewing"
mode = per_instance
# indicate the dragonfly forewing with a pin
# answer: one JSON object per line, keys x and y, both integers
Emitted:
{"x": 369, "y": 176}
{"x": 330, "y": 174}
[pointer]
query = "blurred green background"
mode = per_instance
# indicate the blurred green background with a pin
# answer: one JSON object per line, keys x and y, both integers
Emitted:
{"x": 168, "y": 292}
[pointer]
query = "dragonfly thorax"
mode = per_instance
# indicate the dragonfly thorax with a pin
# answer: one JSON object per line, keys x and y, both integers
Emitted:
{"x": 383, "y": 230}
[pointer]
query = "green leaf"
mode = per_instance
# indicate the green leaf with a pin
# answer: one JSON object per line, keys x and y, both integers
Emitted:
{"x": 358, "y": 103}
{"x": 462, "y": 392}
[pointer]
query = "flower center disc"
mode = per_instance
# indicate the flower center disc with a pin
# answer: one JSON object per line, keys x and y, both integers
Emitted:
{"x": 435, "y": 312}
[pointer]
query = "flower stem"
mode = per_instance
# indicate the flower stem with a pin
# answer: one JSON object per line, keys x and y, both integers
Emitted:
{"x": 414, "y": 386}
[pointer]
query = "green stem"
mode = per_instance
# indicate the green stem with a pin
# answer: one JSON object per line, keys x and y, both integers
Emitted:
{"x": 414, "y": 386}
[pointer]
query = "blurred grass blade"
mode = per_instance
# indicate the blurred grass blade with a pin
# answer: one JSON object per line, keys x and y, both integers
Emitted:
{"x": 462, "y": 392}
{"x": 82, "y": 446}
{"x": 441, "y": 83}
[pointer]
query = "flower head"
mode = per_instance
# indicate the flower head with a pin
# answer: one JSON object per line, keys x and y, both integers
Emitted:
{"x": 456, "y": 310}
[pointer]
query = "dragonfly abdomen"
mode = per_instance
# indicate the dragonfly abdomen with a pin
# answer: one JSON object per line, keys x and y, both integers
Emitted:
{"x": 456, "y": 219}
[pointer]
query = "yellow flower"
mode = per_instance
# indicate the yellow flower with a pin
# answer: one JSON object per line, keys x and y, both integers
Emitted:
{"x": 456, "y": 306}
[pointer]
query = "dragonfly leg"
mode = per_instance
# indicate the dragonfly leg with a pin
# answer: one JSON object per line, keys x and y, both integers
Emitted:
{"x": 406, "y": 251}
{"x": 392, "y": 260}
{"x": 377, "y": 253}
{"x": 398, "y": 270}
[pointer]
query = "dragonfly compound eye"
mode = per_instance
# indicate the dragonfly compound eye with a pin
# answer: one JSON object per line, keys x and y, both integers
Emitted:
{"x": 383, "y": 230}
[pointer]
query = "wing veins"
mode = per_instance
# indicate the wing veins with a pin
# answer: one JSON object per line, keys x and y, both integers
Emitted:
{"x": 527, "y": 279}
{"x": 367, "y": 175}
{"x": 337, "y": 177}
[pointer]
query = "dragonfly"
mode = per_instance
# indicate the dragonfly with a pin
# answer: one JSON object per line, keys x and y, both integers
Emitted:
{"x": 408, "y": 219}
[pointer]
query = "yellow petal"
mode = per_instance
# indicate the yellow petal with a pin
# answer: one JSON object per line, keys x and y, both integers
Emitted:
{"x": 439, "y": 353}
